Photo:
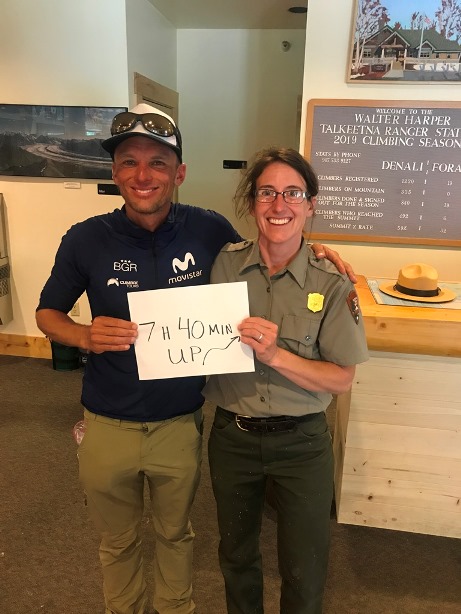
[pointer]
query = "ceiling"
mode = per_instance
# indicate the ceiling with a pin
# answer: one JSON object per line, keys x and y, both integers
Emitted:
{"x": 232, "y": 14}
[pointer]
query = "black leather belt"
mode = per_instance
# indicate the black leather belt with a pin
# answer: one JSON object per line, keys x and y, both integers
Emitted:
{"x": 270, "y": 424}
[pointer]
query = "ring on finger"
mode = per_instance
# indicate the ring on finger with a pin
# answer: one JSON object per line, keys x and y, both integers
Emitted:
{"x": 260, "y": 336}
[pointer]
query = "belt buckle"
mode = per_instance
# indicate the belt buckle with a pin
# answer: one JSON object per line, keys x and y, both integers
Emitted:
{"x": 291, "y": 426}
{"x": 239, "y": 424}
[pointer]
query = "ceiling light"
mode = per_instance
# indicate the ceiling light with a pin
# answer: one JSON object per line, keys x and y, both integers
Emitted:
{"x": 298, "y": 9}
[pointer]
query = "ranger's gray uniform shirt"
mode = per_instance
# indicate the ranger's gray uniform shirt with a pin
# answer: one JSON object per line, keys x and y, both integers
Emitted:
{"x": 331, "y": 332}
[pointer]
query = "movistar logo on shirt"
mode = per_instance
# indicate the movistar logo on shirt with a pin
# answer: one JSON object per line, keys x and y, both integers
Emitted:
{"x": 183, "y": 265}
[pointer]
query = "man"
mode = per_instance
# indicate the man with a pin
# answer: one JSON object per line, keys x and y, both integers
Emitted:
{"x": 136, "y": 430}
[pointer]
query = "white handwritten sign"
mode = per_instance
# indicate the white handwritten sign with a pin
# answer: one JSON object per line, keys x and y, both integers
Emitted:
{"x": 190, "y": 331}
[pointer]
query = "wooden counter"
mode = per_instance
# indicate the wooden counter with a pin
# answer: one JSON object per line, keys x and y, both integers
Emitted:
{"x": 412, "y": 330}
{"x": 398, "y": 432}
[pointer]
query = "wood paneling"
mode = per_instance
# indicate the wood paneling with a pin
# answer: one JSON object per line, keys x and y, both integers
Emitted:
{"x": 398, "y": 462}
{"x": 21, "y": 345}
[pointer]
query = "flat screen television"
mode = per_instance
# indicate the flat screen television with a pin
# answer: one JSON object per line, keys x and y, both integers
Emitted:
{"x": 48, "y": 141}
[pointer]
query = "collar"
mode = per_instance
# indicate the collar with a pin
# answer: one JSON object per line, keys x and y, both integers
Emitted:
{"x": 297, "y": 268}
{"x": 170, "y": 219}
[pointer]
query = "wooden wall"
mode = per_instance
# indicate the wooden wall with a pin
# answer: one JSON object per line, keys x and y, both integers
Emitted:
{"x": 398, "y": 445}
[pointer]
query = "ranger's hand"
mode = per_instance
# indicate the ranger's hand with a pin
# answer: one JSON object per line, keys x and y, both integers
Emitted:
{"x": 261, "y": 336}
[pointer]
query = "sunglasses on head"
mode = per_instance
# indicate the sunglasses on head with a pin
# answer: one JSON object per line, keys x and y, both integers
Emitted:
{"x": 152, "y": 122}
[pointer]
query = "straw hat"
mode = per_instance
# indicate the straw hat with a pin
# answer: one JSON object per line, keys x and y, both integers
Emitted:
{"x": 418, "y": 282}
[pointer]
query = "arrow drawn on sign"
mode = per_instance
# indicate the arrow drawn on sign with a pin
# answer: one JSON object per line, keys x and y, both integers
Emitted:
{"x": 221, "y": 349}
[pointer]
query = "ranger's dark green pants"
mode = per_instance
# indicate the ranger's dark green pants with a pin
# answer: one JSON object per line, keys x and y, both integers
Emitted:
{"x": 300, "y": 465}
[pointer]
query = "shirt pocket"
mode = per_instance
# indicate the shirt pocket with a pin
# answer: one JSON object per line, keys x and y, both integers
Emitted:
{"x": 299, "y": 335}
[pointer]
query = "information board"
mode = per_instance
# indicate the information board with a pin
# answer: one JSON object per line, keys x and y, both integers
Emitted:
{"x": 389, "y": 171}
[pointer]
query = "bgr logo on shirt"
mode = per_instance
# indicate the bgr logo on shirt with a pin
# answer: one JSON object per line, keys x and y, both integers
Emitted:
{"x": 125, "y": 265}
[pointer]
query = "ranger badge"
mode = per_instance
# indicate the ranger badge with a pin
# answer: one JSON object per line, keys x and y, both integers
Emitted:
{"x": 315, "y": 301}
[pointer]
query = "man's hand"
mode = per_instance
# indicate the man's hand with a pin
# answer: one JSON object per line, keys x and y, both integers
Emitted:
{"x": 322, "y": 251}
{"x": 107, "y": 334}
{"x": 104, "y": 334}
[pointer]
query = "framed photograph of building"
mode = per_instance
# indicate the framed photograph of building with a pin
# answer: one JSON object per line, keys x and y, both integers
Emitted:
{"x": 395, "y": 41}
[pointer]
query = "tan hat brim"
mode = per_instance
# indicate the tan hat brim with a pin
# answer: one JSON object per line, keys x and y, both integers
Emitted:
{"x": 444, "y": 297}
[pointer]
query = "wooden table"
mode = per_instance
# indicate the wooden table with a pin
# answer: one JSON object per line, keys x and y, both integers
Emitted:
{"x": 398, "y": 431}
{"x": 413, "y": 330}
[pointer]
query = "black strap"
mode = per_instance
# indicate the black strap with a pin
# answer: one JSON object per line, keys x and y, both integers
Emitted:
{"x": 411, "y": 292}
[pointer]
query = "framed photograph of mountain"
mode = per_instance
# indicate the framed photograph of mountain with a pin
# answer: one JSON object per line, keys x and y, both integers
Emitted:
{"x": 55, "y": 141}
{"x": 395, "y": 41}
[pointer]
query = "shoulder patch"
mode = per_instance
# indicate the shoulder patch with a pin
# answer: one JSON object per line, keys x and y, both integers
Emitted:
{"x": 353, "y": 304}
{"x": 237, "y": 247}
